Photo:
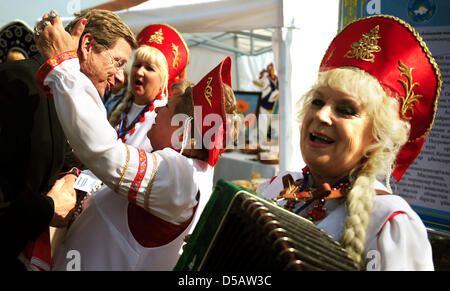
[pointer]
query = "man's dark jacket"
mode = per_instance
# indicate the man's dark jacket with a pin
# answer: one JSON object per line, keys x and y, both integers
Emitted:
{"x": 32, "y": 146}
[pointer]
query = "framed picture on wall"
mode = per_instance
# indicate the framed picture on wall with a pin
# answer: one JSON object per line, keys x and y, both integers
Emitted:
{"x": 248, "y": 108}
{"x": 247, "y": 102}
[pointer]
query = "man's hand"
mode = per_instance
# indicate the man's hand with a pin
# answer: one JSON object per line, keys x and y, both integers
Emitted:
{"x": 51, "y": 38}
{"x": 64, "y": 198}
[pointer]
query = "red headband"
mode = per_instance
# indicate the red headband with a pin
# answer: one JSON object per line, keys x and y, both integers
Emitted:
{"x": 210, "y": 95}
{"x": 391, "y": 50}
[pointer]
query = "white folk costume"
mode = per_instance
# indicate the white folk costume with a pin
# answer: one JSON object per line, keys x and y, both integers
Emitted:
{"x": 397, "y": 238}
{"x": 115, "y": 234}
{"x": 118, "y": 213}
{"x": 390, "y": 50}
{"x": 160, "y": 193}
{"x": 136, "y": 120}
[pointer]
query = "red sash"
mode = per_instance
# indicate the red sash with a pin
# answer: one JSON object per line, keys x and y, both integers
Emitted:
{"x": 36, "y": 256}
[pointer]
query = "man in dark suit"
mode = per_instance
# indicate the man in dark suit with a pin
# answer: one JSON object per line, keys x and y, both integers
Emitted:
{"x": 32, "y": 147}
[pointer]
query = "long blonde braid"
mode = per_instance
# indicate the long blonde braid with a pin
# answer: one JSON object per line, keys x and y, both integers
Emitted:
{"x": 359, "y": 206}
{"x": 389, "y": 132}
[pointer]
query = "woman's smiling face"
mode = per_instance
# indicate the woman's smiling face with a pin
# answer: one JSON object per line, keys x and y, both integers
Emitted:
{"x": 335, "y": 132}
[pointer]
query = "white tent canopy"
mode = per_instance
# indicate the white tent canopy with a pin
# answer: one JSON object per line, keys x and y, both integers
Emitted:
{"x": 301, "y": 33}
{"x": 207, "y": 15}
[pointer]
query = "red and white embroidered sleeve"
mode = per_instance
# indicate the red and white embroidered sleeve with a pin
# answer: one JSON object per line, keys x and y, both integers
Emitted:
{"x": 139, "y": 177}
{"x": 48, "y": 66}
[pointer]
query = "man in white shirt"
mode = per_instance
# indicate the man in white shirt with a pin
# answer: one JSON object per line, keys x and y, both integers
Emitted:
{"x": 164, "y": 190}
{"x": 103, "y": 45}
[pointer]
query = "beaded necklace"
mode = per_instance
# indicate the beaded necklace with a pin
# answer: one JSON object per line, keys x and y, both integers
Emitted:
{"x": 299, "y": 192}
{"x": 130, "y": 129}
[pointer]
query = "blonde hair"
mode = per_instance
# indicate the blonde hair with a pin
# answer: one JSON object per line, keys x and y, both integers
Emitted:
{"x": 153, "y": 56}
{"x": 389, "y": 133}
{"x": 156, "y": 57}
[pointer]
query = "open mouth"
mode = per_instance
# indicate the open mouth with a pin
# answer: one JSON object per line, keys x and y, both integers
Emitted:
{"x": 315, "y": 137}
{"x": 138, "y": 83}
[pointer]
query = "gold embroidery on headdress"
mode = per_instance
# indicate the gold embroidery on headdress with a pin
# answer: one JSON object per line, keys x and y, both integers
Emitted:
{"x": 176, "y": 59}
{"x": 367, "y": 45}
{"x": 157, "y": 37}
{"x": 328, "y": 59}
{"x": 208, "y": 91}
{"x": 408, "y": 85}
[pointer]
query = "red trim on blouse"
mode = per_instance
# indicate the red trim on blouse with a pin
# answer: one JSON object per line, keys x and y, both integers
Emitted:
{"x": 48, "y": 66}
{"x": 151, "y": 231}
{"x": 394, "y": 214}
{"x": 134, "y": 188}
{"x": 271, "y": 180}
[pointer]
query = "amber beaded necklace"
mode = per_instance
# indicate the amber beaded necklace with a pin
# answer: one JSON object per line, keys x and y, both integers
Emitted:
{"x": 299, "y": 192}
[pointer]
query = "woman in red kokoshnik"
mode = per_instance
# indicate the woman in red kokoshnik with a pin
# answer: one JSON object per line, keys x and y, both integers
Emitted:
{"x": 366, "y": 117}
{"x": 159, "y": 62}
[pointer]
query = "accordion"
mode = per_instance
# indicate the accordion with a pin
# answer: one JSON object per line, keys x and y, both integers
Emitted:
{"x": 240, "y": 231}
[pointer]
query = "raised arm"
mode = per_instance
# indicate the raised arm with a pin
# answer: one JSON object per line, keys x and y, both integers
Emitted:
{"x": 146, "y": 179}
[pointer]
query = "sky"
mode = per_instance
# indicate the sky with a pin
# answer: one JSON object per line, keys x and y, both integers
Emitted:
{"x": 29, "y": 11}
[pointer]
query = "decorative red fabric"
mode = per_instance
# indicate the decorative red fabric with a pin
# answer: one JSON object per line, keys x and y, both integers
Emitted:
{"x": 37, "y": 254}
{"x": 169, "y": 41}
{"x": 48, "y": 66}
{"x": 136, "y": 184}
{"x": 209, "y": 95}
{"x": 151, "y": 231}
{"x": 392, "y": 51}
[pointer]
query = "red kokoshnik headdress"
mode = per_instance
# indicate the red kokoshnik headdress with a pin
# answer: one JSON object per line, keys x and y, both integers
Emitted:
{"x": 169, "y": 41}
{"x": 392, "y": 51}
{"x": 210, "y": 95}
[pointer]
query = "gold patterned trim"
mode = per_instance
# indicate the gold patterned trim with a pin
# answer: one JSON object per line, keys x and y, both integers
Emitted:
{"x": 208, "y": 91}
{"x": 125, "y": 169}
{"x": 150, "y": 183}
{"x": 408, "y": 85}
{"x": 157, "y": 37}
{"x": 366, "y": 46}
{"x": 176, "y": 57}
{"x": 349, "y": 10}
{"x": 427, "y": 53}
{"x": 179, "y": 35}
{"x": 328, "y": 59}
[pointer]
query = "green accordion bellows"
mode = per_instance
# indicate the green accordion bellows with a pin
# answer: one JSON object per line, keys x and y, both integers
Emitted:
{"x": 241, "y": 231}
